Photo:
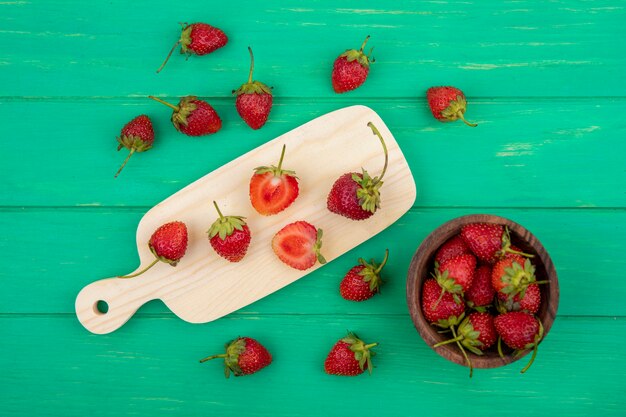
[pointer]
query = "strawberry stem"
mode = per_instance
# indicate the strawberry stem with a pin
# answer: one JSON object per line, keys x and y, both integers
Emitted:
{"x": 132, "y": 150}
{"x": 445, "y": 342}
{"x": 377, "y": 133}
{"x": 469, "y": 363}
{"x": 364, "y": 42}
{"x": 371, "y": 345}
{"x": 173, "y": 107}
{"x": 208, "y": 358}
{"x": 168, "y": 56}
{"x": 280, "y": 161}
{"x": 532, "y": 359}
{"x": 438, "y": 299}
{"x": 218, "y": 210}
{"x": 142, "y": 271}
{"x": 460, "y": 115}
{"x": 251, "y": 65}
{"x": 380, "y": 267}
{"x": 500, "y": 348}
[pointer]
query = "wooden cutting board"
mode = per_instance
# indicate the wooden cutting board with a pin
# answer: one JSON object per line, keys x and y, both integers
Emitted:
{"x": 204, "y": 286}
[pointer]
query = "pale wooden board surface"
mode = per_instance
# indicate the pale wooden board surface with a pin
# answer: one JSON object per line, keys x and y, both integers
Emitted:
{"x": 203, "y": 286}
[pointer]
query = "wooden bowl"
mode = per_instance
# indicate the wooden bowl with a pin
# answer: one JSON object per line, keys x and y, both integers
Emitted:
{"x": 423, "y": 263}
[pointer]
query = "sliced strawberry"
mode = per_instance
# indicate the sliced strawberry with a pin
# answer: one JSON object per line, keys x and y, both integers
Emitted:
{"x": 298, "y": 245}
{"x": 273, "y": 189}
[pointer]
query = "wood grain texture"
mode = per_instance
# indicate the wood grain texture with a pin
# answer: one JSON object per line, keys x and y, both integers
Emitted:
{"x": 203, "y": 286}
{"x": 421, "y": 268}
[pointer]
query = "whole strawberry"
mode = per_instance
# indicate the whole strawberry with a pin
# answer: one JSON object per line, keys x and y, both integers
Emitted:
{"x": 357, "y": 195}
{"x": 244, "y": 356}
{"x": 272, "y": 188}
{"x": 455, "y": 275}
{"x": 229, "y": 236}
{"x": 489, "y": 241}
{"x": 350, "y": 356}
{"x": 476, "y": 333}
{"x": 254, "y": 100}
{"x": 193, "y": 117}
{"x": 530, "y": 302}
{"x": 362, "y": 281}
{"x": 440, "y": 307}
{"x": 136, "y": 136}
{"x": 513, "y": 275}
{"x": 350, "y": 69}
{"x": 480, "y": 294}
{"x": 168, "y": 244}
{"x": 298, "y": 245}
{"x": 453, "y": 247}
{"x": 520, "y": 331}
{"x": 198, "y": 39}
{"x": 447, "y": 104}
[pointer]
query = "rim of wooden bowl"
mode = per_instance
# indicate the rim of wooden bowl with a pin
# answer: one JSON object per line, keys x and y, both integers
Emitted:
{"x": 420, "y": 269}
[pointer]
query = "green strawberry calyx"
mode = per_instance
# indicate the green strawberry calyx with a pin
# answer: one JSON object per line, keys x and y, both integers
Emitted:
{"x": 507, "y": 248}
{"x": 362, "y": 352}
{"x": 318, "y": 246}
{"x": 231, "y": 357}
{"x": 185, "y": 107}
{"x": 132, "y": 143}
{"x": 517, "y": 278}
{"x": 447, "y": 284}
{"x": 467, "y": 338}
{"x": 362, "y": 58}
{"x": 278, "y": 171}
{"x": 371, "y": 272}
{"x": 224, "y": 226}
{"x": 252, "y": 87}
{"x": 456, "y": 110}
{"x": 184, "y": 42}
{"x": 368, "y": 191}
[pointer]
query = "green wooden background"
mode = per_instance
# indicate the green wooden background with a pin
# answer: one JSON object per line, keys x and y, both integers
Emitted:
{"x": 545, "y": 82}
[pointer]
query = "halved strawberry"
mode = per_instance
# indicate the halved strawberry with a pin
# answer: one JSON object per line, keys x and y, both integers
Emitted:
{"x": 298, "y": 245}
{"x": 273, "y": 189}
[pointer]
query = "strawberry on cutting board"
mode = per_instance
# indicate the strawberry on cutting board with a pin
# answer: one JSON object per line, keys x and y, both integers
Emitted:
{"x": 229, "y": 236}
{"x": 193, "y": 117}
{"x": 254, "y": 100}
{"x": 272, "y": 188}
{"x": 168, "y": 244}
{"x": 357, "y": 195}
{"x": 298, "y": 245}
{"x": 198, "y": 39}
{"x": 350, "y": 69}
{"x": 136, "y": 136}
{"x": 244, "y": 356}
{"x": 350, "y": 356}
{"x": 447, "y": 104}
{"x": 363, "y": 281}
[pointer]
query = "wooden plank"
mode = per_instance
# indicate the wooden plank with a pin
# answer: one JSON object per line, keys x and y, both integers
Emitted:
{"x": 76, "y": 48}
{"x": 524, "y": 153}
{"x": 51, "y": 254}
{"x": 203, "y": 286}
{"x": 151, "y": 367}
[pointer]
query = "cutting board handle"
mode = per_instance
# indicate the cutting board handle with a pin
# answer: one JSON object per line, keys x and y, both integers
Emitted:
{"x": 105, "y": 305}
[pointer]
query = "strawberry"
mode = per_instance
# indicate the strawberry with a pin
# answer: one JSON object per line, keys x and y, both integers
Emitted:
{"x": 447, "y": 104}
{"x": 229, "y": 236}
{"x": 362, "y": 281}
{"x": 488, "y": 241}
{"x": 440, "y": 307}
{"x": 198, "y": 39}
{"x": 298, "y": 245}
{"x": 137, "y": 136}
{"x": 453, "y": 247}
{"x": 273, "y": 189}
{"x": 455, "y": 274}
{"x": 168, "y": 244}
{"x": 520, "y": 331}
{"x": 244, "y": 356}
{"x": 530, "y": 302}
{"x": 350, "y": 69}
{"x": 476, "y": 333}
{"x": 357, "y": 196}
{"x": 254, "y": 100}
{"x": 193, "y": 117}
{"x": 350, "y": 356}
{"x": 480, "y": 294}
{"x": 513, "y": 275}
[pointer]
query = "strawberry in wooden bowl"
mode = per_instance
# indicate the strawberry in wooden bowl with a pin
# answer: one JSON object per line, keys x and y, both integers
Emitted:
{"x": 482, "y": 291}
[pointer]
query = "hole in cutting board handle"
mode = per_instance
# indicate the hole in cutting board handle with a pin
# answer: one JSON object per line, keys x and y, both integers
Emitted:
{"x": 101, "y": 307}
